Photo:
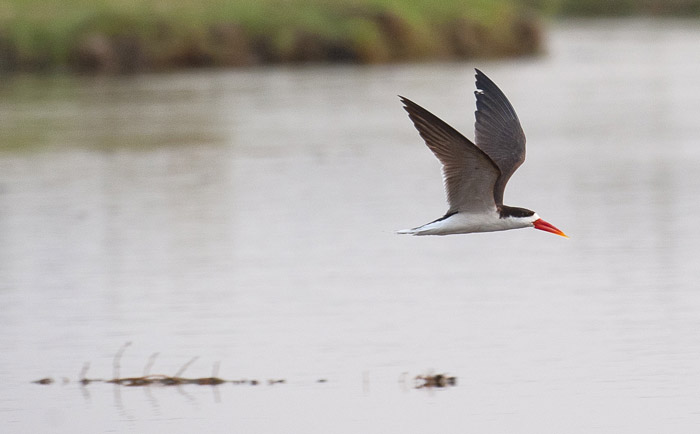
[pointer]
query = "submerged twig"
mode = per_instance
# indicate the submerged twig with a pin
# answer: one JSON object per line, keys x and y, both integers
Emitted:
{"x": 214, "y": 380}
{"x": 83, "y": 375}
{"x": 117, "y": 359}
{"x": 185, "y": 366}
{"x": 149, "y": 364}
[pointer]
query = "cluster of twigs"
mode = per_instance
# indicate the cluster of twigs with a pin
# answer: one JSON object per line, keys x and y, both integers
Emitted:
{"x": 427, "y": 381}
{"x": 148, "y": 379}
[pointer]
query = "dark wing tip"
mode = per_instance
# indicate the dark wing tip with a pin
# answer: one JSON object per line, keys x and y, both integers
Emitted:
{"x": 411, "y": 107}
{"x": 485, "y": 84}
{"x": 490, "y": 99}
{"x": 405, "y": 100}
{"x": 481, "y": 78}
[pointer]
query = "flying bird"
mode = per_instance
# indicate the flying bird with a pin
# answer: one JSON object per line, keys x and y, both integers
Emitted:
{"x": 475, "y": 174}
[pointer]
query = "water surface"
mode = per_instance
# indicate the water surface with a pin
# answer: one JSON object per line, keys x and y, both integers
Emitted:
{"x": 248, "y": 217}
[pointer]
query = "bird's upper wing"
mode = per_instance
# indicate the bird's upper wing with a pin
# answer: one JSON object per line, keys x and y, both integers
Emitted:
{"x": 469, "y": 174}
{"x": 498, "y": 131}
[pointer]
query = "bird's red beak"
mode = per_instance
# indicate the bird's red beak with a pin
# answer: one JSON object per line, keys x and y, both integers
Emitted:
{"x": 548, "y": 227}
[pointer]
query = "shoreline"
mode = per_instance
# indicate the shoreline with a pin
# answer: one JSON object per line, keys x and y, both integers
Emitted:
{"x": 116, "y": 38}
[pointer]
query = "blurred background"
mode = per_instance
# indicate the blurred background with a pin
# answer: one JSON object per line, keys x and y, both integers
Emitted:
{"x": 224, "y": 179}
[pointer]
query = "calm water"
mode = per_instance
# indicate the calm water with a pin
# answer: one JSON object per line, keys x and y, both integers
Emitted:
{"x": 248, "y": 217}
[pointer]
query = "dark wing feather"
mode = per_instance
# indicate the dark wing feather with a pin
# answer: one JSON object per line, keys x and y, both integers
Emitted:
{"x": 498, "y": 131}
{"x": 469, "y": 173}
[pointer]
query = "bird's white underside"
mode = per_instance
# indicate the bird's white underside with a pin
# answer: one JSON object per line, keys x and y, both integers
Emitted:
{"x": 465, "y": 223}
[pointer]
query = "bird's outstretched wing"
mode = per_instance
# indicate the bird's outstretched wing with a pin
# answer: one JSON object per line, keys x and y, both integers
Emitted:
{"x": 469, "y": 174}
{"x": 498, "y": 131}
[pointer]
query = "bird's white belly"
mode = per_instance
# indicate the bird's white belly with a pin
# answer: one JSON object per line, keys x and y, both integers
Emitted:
{"x": 465, "y": 223}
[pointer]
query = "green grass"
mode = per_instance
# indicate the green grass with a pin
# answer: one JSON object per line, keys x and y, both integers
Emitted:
{"x": 122, "y": 35}
{"x": 616, "y": 8}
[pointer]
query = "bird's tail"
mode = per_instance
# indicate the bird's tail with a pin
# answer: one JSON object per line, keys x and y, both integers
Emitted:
{"x": 432, "y": 228}
{"x": 407, "y": 231}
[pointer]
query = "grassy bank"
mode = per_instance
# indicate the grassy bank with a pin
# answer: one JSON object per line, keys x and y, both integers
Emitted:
{"x": 134, "y": 35}
{"x": 617, "y": 8}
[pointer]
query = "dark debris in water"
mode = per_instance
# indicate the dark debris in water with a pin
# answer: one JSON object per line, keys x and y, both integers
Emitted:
{"x": 148, "y": 379}
{"x": 427, "y": 381}
{"x": 434, "y": 381}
